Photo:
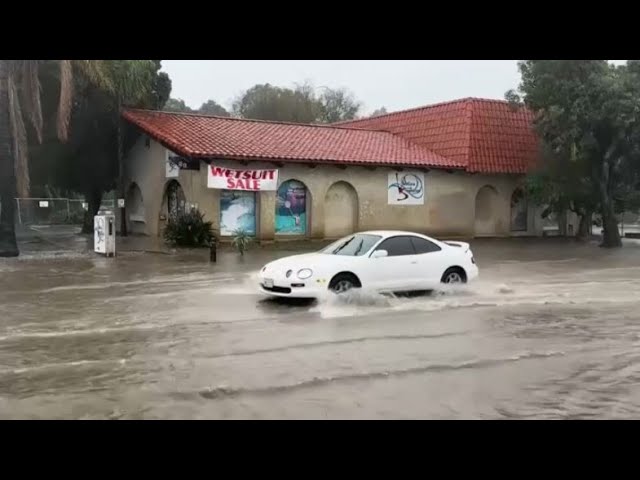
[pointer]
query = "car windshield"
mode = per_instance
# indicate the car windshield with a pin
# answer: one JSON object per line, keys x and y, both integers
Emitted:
{"x": 353, "y": 245}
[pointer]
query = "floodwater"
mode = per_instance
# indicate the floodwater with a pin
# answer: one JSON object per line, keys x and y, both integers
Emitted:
{"x": 550, "y": 330}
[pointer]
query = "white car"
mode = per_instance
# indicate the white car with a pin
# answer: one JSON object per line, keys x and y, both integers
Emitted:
{"x": 382, "y": 261}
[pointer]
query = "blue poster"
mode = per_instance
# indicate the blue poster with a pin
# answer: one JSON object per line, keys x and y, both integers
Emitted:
{"x": 237, "y": 212}
{"x": 291, "y": 208}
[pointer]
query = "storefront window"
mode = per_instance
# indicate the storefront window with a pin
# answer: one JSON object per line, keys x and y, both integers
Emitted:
{"x": 291, "y": 208}
{"x": 237, "y": 212}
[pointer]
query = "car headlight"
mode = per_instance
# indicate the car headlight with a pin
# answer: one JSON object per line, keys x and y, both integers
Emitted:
{"x": 304, "y": 273}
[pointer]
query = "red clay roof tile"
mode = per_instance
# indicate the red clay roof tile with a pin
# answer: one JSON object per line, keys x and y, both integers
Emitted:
{"x": 487, "y": 136}
{"x": 202, "y": 136}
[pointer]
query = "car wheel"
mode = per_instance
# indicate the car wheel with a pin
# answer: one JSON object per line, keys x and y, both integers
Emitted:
{"x": 343, "y": 282}
{"x": 454, "y": 275}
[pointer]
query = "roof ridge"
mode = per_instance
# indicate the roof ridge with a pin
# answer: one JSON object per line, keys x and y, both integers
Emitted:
{"x": 469, "y": 132}
{"x": 255, "y": 120}
{"x": 425, "y": 107}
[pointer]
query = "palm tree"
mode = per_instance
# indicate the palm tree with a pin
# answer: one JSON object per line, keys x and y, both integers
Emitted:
{"x": 20, "y": 87}
{"x": 131, "y": 80}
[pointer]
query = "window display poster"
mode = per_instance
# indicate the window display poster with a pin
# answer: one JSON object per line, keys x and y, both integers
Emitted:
{"x": 237, "y": 212}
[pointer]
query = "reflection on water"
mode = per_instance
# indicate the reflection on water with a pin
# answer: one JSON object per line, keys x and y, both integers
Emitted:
{"x": 549, "y": 331}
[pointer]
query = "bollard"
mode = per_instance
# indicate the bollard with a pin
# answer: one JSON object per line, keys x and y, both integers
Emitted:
{"x": 213, "y": 254}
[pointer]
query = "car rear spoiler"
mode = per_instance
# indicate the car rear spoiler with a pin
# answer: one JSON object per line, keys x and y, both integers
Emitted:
{"x": 464, "y": 245}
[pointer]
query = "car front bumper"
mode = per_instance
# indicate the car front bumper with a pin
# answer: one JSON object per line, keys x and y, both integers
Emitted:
{"x": 278, "y": 286}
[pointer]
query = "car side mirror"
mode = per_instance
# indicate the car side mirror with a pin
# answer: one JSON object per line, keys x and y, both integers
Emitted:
{"x": 379, "y": 254}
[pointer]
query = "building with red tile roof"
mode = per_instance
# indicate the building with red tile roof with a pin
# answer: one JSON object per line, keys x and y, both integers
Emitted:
{"x": 204, "y": 136}
{"x": 450, "y": 169}
{"x": 487, "y": 136}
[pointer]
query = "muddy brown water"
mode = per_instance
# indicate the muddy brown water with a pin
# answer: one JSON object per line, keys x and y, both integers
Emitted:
{"x": 550, "y": 330}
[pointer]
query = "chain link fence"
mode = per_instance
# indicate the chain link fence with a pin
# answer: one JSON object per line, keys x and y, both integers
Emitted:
{"x": 54, "y": 211}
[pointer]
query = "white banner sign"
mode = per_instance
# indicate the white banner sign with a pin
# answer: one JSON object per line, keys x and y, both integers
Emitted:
{"x": 246, "y": 179}
{"x": 405, "y": 188}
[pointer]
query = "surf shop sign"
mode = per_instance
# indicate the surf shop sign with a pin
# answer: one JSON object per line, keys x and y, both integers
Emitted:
{"x": 244, "y": 179}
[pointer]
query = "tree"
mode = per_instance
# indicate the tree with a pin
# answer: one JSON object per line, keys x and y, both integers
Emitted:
{"x": 559, "y": 186}
{"x": 587, "y": 117}
{"x": 267, "y": 102}
{"x": 176, "y": 105}
{"x": 211, "y": 107}
{"x": 338, "y": 105}
{"x": 20, "y": 87}
{"x": 297, "y": 105}
{"x": 378, "y": 112}
{"x": 133, "y": 83}
{"x": 90, "y": 161}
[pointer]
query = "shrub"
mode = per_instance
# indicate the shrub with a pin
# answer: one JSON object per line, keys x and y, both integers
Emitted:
{"x": 189, "y": 230}
{"x": 241, "y": 241}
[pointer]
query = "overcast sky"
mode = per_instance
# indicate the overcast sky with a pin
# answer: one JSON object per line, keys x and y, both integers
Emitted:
{"x": 394, "y": 84}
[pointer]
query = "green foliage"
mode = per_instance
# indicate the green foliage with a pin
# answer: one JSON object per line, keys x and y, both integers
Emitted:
{"x": 88, "y": 162}
{"x": 337, "y": 105}
{"x": 177, "y": 105}
{"x": 298, "y": 105}
{"x": 241, "y": 241}
{"x": 190, "y": 230}
{"x": 211, "y": 107}
{"x": 588, "y": 120}
{"x": 378, "y": 112}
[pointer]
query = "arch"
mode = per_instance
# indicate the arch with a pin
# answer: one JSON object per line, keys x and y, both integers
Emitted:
{"x": 340, "y": 210}
{"x": 174, "y": 201}
{"x": 135, "y": 210}
{"x": 293, "y": 204}
{"x": 486, "y": 212}
{"x": 519, "y": 211}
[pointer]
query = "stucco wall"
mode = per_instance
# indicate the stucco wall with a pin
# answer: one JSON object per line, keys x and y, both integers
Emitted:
{"x": 449, "y": 208}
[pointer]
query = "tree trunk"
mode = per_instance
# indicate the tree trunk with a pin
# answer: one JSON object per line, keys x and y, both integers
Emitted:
{"x": 123, "y": 213}
{"x": 94, "y": 199}
{"x": 610, "y": 234}
{"x": 584, "y": 228}
{"x": 8, "y": 243}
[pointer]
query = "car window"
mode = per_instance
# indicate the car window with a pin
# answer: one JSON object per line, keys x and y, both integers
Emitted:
{"x": 422, "y": 245}
{"x": 397, "y": 246}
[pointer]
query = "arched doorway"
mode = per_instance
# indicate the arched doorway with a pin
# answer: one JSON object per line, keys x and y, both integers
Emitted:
{"x": 340, "y": 210}
{"x": 174, "y": 201}
{"x": 519, "y": 211}
{"x": 292, "y": 207}
{"x": 486, "y": 212}
{"x": 135, "y": 210}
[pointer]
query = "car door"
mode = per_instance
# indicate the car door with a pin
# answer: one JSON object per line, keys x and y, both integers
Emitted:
{"x": 397, "y": 271}
{"x": 430, "y": 261}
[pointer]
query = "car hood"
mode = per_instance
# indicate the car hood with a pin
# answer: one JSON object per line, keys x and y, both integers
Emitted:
{"x": 296, "y": 262}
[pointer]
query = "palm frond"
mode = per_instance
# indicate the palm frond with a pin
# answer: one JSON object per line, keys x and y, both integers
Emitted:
{"x": 31, "y": 94}
{"x": 97, "y": 72}
{"x": 19, "y": 134}
{"x": 66, "y": 99}
{"x": 133, "y": 79}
